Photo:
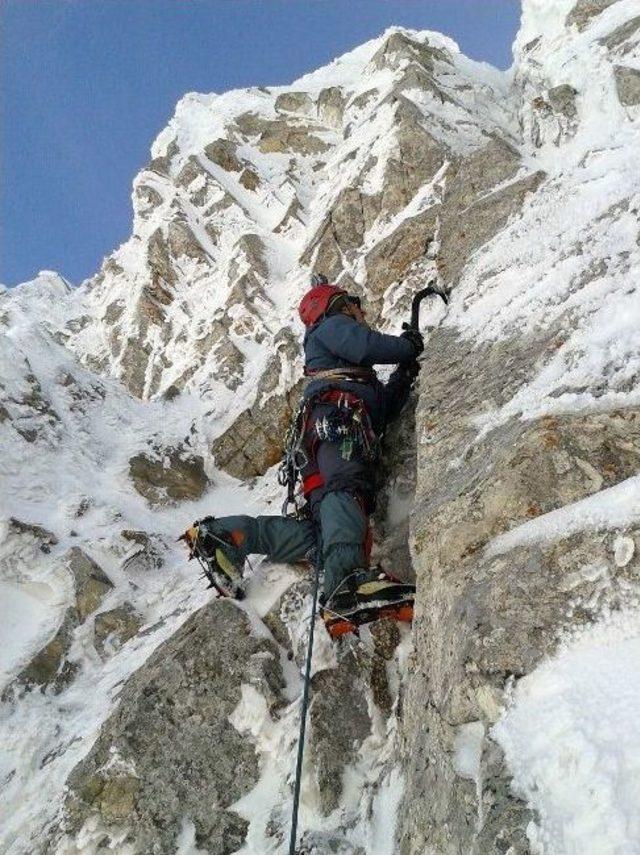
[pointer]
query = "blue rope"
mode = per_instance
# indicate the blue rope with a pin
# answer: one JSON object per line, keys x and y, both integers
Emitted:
{"x": 303, "y": 717}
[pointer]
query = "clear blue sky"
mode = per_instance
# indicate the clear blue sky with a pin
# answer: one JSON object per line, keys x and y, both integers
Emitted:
{"x": 87, "y": 85}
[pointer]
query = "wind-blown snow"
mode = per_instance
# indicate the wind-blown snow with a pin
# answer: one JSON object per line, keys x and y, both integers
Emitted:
{"x": 613, "y": 507}
{"x": 570, "y": 264}
{"x": 571, "y": 737}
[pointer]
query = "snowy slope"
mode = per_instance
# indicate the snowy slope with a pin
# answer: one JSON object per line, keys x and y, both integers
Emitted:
{"x": 173, "y": 339}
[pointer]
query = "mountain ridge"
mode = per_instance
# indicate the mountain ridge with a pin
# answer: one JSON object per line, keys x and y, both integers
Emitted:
{"x": 160, "y": 389}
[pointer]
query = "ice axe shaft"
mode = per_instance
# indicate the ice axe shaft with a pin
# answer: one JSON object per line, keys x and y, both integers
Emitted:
{"x": 431, "y": 288}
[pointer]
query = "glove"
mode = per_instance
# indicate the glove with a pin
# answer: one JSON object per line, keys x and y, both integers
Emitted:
{"x": 410, "y": 370}
{"x": 414, "y": 336}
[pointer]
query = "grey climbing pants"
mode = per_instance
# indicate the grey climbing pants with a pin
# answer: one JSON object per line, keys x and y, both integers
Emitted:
{"x": 280, "y": 538}
{"x": 338, "y": 530}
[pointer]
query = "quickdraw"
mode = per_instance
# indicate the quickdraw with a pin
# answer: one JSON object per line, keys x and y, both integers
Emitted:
{"x": 295, "y": 460}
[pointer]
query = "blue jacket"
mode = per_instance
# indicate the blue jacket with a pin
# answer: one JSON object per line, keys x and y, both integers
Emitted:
{"x": 341, "y": 342}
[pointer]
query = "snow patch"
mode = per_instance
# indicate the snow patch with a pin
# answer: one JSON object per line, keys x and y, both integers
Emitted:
{"x": 571, "y": 737}
{"x": 615, "y": 507}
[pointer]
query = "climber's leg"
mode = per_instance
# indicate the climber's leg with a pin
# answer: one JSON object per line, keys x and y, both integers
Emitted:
{"x": 344, "y": 526}
{"x": 279, "y": 538}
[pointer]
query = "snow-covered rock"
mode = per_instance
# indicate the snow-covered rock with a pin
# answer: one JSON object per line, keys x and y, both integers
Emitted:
{"x": 131, "y": 404}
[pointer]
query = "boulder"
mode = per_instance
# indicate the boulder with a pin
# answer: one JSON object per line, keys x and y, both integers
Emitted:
{"x": 280, "y": 137}
{"x": 563, "y": 100}
{"x": 113, "y": 628}
{"x": 167, "y": 475}
{"x": 335, "y": 735}
{"x": 330, "y": 106}
{"x": 169, "y": 753}
{"x": 294, "y": 102}
{"x": 627, "y": 85}
{"x": 223, "y": 153}
{"x": 91, "y": 583}
{"x": 250, "y": 179}
{"x": 50, "y": 667}
{"x": 45, "y": 538}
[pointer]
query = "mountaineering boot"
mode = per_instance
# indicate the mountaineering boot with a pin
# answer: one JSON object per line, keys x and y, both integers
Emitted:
{"x": 381, "y": 595}
{"x": 218, "y": 555}
{"x": 337, "y": 610}
{"x": 376, "y": 587}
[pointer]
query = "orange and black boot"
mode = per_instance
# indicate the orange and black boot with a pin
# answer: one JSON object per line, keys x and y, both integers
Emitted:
{"x": 381, "y": 595}
{"x": 337, "y": 613}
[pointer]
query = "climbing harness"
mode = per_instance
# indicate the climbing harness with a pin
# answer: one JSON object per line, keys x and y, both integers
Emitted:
{"x": 303, "y": 714}
{"x": 347, "y": 424}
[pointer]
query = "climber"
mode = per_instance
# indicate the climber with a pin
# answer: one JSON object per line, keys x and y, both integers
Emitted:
{"x": 334, "y": 448}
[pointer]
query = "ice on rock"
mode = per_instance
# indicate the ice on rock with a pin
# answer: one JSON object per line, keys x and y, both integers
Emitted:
{"x": 467, "y": 748}
{"x": 189, "y": 335}
{"x": 623, "y": 550}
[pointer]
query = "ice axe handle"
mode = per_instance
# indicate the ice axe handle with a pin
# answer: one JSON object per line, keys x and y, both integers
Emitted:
{"x": 415, "y": 304}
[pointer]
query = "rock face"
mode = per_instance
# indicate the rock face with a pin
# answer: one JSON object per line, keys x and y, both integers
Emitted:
{"x": 166, "y": 475}
{"x": 490, "y": 613}
{"x": 507, "y": 482}
{"x": 169, "y": 752}
{"x": 51, "y": 666}
{"x": 219, "y": 238}
{"x": 506, "y": 552}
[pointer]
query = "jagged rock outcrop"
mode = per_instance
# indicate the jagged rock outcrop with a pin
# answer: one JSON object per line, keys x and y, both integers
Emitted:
{"x": 505, "y": 484}
{"x": 169, "y": 753}
{"x": 52, "y": 666}
{"x": 168, "y": 474}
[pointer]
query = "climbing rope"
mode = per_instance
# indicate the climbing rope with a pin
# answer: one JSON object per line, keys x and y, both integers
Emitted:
{"x": 303, "y": 715}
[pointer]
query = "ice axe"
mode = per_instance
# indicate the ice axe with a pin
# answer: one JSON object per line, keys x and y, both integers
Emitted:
{"x": 431, "y": 288}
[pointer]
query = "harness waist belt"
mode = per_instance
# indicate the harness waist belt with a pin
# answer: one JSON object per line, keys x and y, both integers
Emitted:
{"x": 354, "y": 375}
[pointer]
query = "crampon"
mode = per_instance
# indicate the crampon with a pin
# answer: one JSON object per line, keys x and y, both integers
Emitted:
{"x": 338, "y": 625}
{"x": 219, "y": 571}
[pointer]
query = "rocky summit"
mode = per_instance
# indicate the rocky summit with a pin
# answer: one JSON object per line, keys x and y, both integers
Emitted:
{"x": 142, "y": 715}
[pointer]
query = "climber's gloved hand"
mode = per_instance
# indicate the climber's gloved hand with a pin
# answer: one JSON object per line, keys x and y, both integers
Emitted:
{"x": 410, "y": 370}
{"x": 414, "y": 336}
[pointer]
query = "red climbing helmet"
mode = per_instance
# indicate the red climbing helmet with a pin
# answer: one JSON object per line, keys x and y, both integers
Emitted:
{"x": 316, "y": 302}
